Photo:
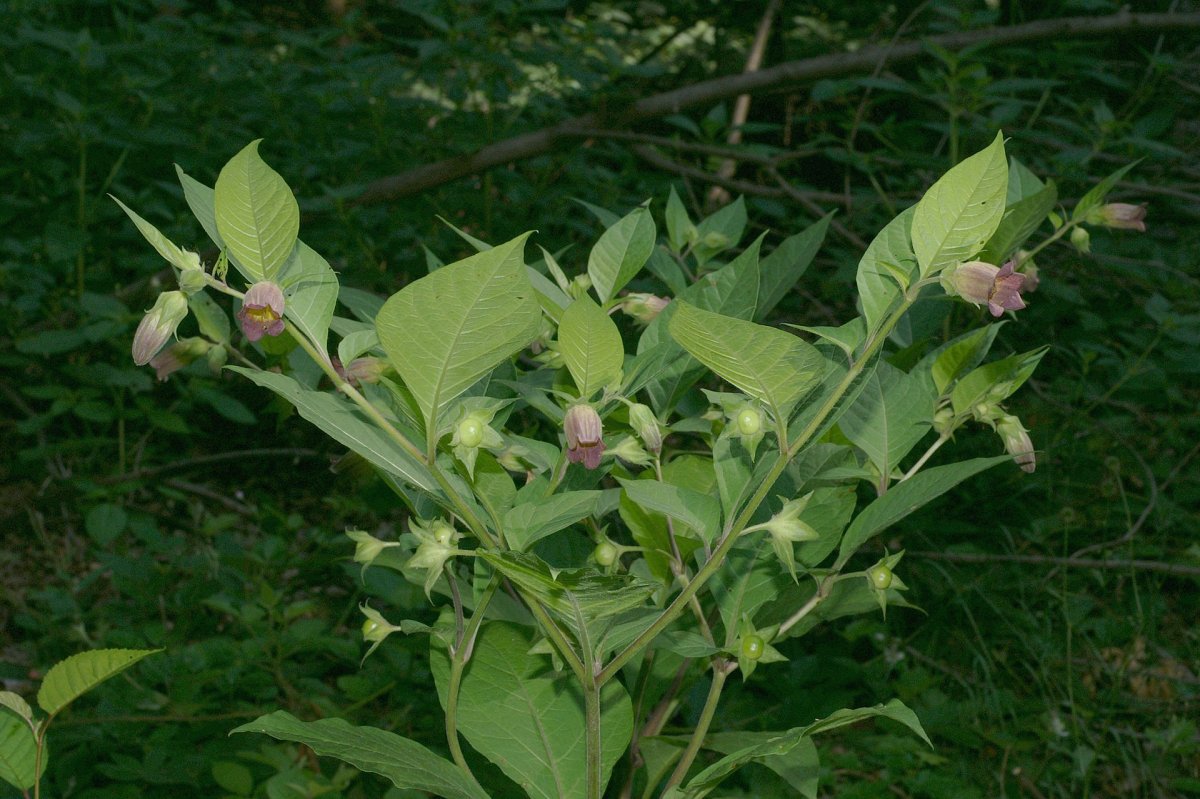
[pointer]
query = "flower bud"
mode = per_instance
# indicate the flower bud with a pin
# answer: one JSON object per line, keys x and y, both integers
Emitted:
{"x": 367, "y": 547}
{"x": 375, "y": 628}
{"x": 179, "y": 355}
{"x": 217, "y": 357}
{"x": 643, "y": 307}
{"x": 1017, "y": 442}
{"x": 367, "y": 369}
{"x": 585, "y": 435}
{"x": 158, "y": 325}
{"x": 262, "y": 311}
{"x": 979, "y": 283}
{"x": 943, "y": 421}
{"x": 1121, "y": 216}
{"x": 437, "y": 544}
{"x": 1081, "y": 240}
{"x": 715, "y": 240}
{"x": 192, "y": 281}
{"x": 645, "y": 424}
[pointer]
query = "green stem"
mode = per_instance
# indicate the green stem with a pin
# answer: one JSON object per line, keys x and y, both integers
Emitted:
{"x": 934, "y": 447}
{"x": 559, "y": 639}
{"x": 595, "y": 767}
{"x": 1053, "y": 237}
{"x": 721, "y": 671}
{"x": 458, "y": 662}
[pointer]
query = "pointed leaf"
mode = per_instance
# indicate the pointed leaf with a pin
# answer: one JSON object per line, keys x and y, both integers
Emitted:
{"x": 310, "y": 290}
{"x": 18, "y": 753}
{"x": 450, "y": 328}
{"x": 256, "y": 213}
{"x": 406, "y": 763}
{"x": 69, "y": 679}
{"x": 533, "y": 521}
{"x": 621, "y": 252}
{"x": 591, "y": 346}
{"x": 961, "y": 211}
{"x": 700, "y": 512}
{"x": 165, "y": 247}
{"x": 1020, "y": 220}
{"x": 780, "y": 270}
{"x": 891, "y": 415}
{"x": 1099, "y": 192}
{"x": 890, "y": 251}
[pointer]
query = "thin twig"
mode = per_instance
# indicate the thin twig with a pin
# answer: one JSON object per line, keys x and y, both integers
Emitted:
{"x": 1050, "y": 560}
{"x": 187, "y": 463}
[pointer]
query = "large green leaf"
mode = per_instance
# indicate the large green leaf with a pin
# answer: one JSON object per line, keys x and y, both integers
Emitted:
{"x": 700, "y": 512}
{"x": 165, "y": 247}
{"x": 1099, "y": 192}
{"x": 450, "y": 328}
{"x": 1020, "y": 220}
{"x": 256, "y": 214}
{"x": 533, "y": 521}
{"x": 69, "y": 679}
{"x": 906, "y": 497}
{"x": 891, "y": 415}
{"x": 527, "y": 721}
{"x": 888, "y": 256}
{"x": 745, "y": 582}
{"x": 18, "y": 752}
{"x": 346, "y": 425}
{"x": 800, "y": 767}
{"x": 961, "y": 211}
{"x": 720, "y": 231}
{"x": 769, "y": 364}
{"x": 948, "y": 363}
{"x": 591, "y": 346}
{"x": 995, "y": 381}
{"x": 406, "y": 763}
{"x": 783, "y": 743}
{"x": 786, "y": 264}
{"x": 310, "y": 289}
{"x": 621, "y": 252}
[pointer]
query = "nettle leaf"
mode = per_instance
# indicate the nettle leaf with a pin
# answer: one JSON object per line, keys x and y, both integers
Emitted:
{"x": 995, "y": 381}
{"x": 530, "y": 522}
{"x": 164, "y": 246}
{"x": 69, "y": 679}
{"x": 343, "y": 423}
{"x": 891, "y": 415}
{"x": 961, "y": 211}
{"x": 18, "y": 753}
{"x": 450, "y": 328}
{"x": 591, "y": 346}
{"x": 621, "y": 252}
{"x": 1020, "y": 220}
{"x": 906, "y": 497}
{"x": 527, "y": 721}
{"x": 889, "y": 253}
{"x": 700, "y": 512}
{"x": 768, "y": 364}
{"x": 256, "y": 214}
{"x": 783, "y": 743}
{"x": 780, "y": 270}
{"x": 406, "y": 763}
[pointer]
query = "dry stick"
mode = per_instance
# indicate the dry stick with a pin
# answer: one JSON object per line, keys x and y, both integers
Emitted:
{"x": 1082, "y": 563}
{"x": 717, "y": 195}
{"x": 806, "y": 200}
{"x": 777, "y": 78}
{"x": 285, "y": 452}
{"x": 715, "y": 150}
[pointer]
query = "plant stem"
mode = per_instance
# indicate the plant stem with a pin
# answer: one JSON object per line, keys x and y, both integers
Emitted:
{"x": 934, "y": 447}
{"x": 721, "y": 671}
{"x": 807, "y": 607}
{"x": 458, "y": 661}
{"x": 595, "y": 765}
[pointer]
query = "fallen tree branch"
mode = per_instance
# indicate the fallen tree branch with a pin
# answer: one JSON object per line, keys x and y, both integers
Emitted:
{"x": 1049, "y": 560}
{"x": 776, "y": 78}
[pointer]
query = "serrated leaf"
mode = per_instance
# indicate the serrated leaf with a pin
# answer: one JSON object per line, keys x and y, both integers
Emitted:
{"x": 961, "y": 211}
{"x": 450, "y": 328}
{"x": 768, "y": 364}
{"x": 256, "y": 214}
{"x": 69, "y": 679}
{"x": 621, "y": 252}
{"x": 165, "y": 247}
{"x": 406, "y": 763}
{"x": 591, "y": 346}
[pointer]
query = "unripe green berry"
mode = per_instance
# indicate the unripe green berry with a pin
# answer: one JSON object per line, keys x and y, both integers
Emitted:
{"x": 880, "y": 577}
{"x": 753, "y": 647}
{"x": 470, "y": 432}
{"x": 605, "y": 554}
{"x": 369, "y": 628}
{"x": 749, "y": 421}
{"x": 443, "y": 534}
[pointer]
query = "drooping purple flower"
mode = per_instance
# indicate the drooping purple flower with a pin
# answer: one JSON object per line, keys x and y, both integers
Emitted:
{"x": 1006, "y": 290}
{"x": 262, "y": 311}
{"x": 982, "y": 283}
{"x": 158, "y": 325}
{"x": 178, "y": 355}
{"x": 1121, "y": 216}
{"x": 585, "y": 435}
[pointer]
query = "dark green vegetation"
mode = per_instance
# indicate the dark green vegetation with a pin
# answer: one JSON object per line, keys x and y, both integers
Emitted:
{"x": 192, "y": 515}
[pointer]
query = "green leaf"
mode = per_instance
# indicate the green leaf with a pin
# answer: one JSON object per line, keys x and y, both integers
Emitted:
{"x": 18, "y": 753}
{"x": 17, "y": 704}
{"x": 1022, "y": 182}
{"x": 533, "y": 521}
{"x": 700, "y": 512}
{"x": 310, "y": 290}
{"x": 906, "y": 497}
{"x": 355, "y": 344}
{"x": 165, "y": 247}
{"x": 1020, "y": 220}
{"x": 591, "y": 346}
{"x": 782, "y": 744}
{"x": 995, "y": 381}
{"x": 69, "y": 679}
{"x": 528, "y": 722}
{"x": 210, "y": 317}
{"x": 963, "y": 353}
{"x": 800, "y": 767}
{"x": 450, "y": 328}
{"x": 343, "y": 423}
{"x": 780, "y": 270}
{"x": 479, "y": 245}
{"x": 891, "y": 415}
{"x": 961, "y": 211}
{"x": 769, "y": 364}
{"x": 677, "y": 222}
{"x": 1095, "y": 197}
{"x": 621, "y": 252}
{"x": 406, "y": 763}
{"x": 745, "y": 582}
{"x": 200, "y": 200}
{"x": 256, "y": 214}
{"x": 720, "y": 231}
{"x": 888, "y": 253}
{"x": 105, "y": 522}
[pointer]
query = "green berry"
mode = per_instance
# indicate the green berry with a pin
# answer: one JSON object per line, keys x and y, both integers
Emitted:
{"x": 369, "y": 627}
{"x": 443, "y": 534}
{"x": 880, "y": 577}
{"x": 470, "y": 432}
{"x": 753, "y": 647}
{"x": 605, "y": 554}
{"x": 749, "y": 421}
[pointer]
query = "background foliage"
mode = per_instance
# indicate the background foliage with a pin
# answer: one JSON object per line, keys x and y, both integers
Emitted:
{"x": 142, "y": 514}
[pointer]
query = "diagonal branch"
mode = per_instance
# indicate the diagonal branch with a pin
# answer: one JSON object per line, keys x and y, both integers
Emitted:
{"x": 776, "y": 78}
